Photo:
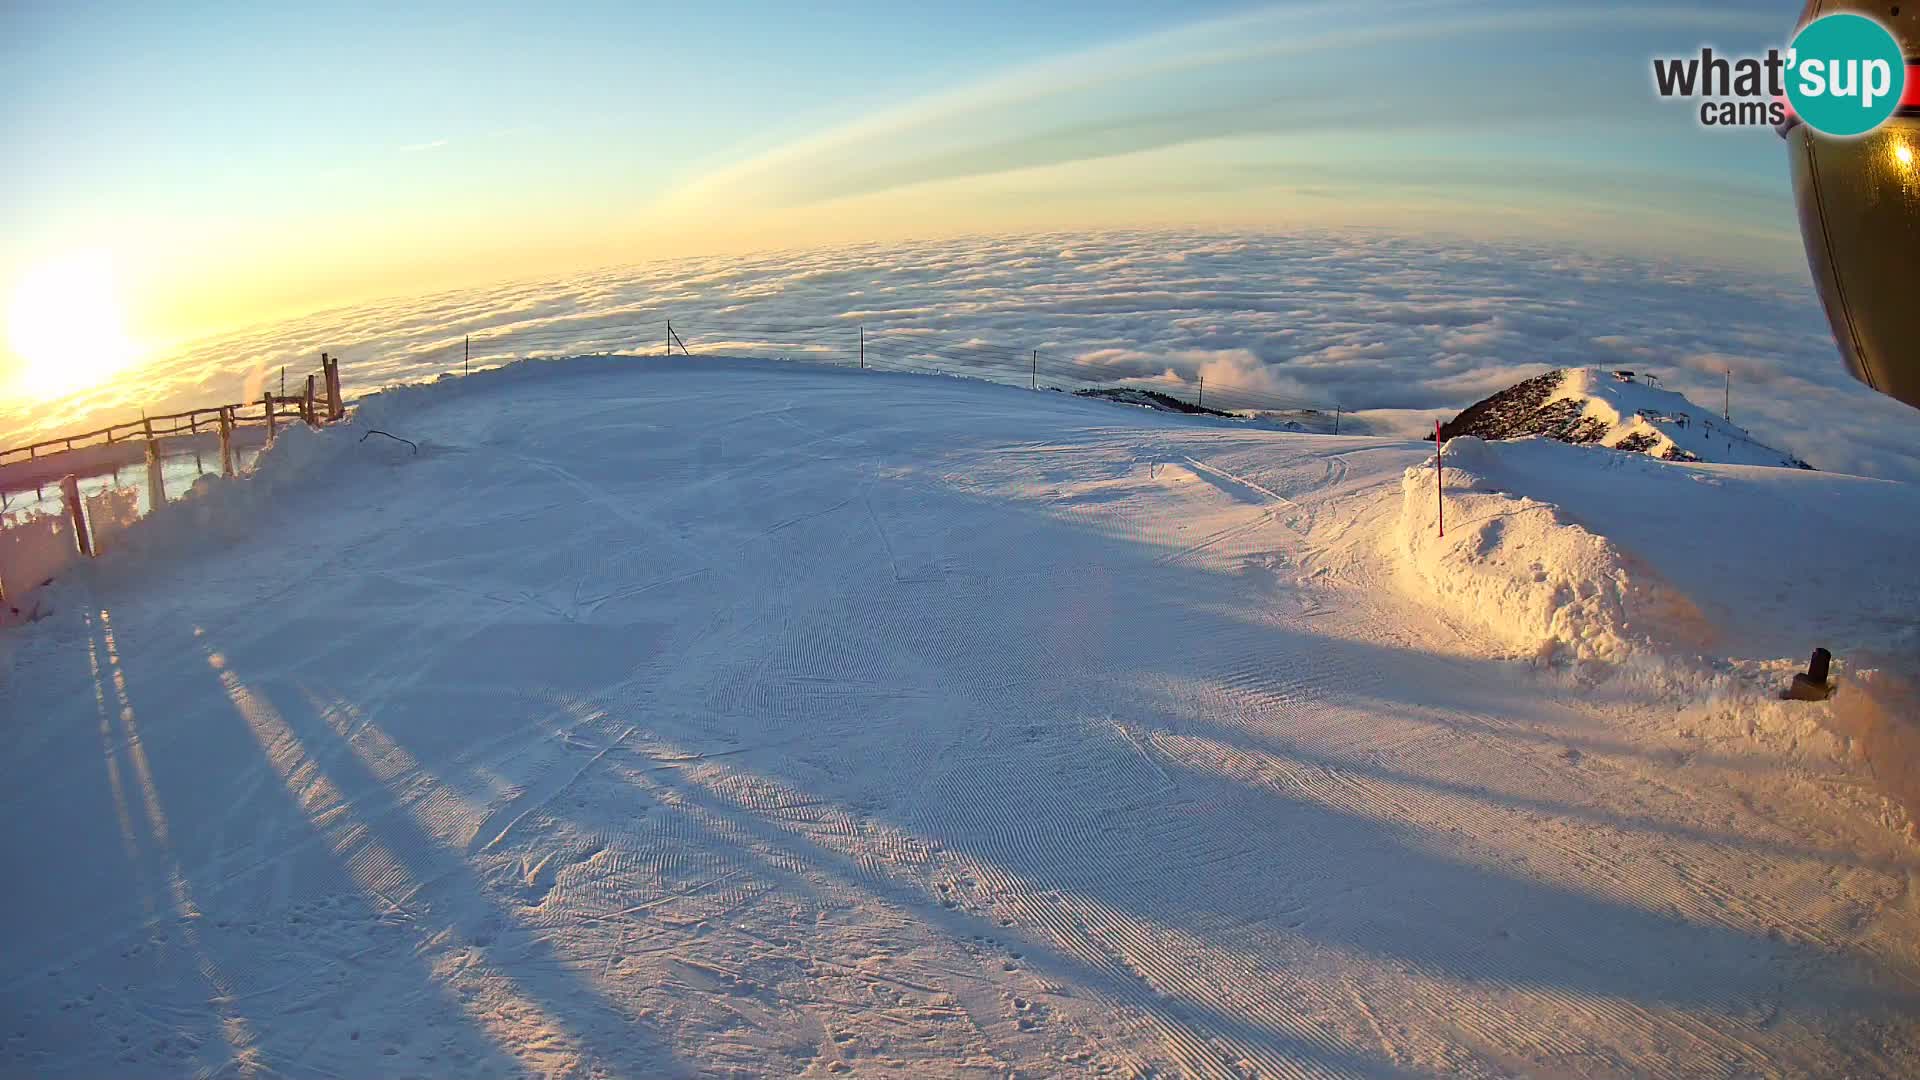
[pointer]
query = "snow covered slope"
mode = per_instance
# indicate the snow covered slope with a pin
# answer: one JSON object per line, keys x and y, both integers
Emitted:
{"x": 676, "y": 718}
{"x": 1618, "y": 410}
{"x": 1559, "y": 550}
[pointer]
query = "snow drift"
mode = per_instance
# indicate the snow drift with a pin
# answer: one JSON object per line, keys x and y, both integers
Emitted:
{"x": 1527, "y": 573}
{"x": 1577, "y": 553}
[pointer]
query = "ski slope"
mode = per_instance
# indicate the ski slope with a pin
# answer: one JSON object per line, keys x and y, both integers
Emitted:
{"x": 665, "y": 718}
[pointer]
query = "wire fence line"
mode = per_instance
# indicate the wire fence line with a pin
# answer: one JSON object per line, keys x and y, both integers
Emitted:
{"x": 322, "y": 393}
{"x": 837, "y": 341}
{"x": 843, "y": 343}
{"x": 87, "y": 504}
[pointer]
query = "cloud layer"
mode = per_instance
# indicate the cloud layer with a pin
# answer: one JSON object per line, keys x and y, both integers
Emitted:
{"x": 1397, "y": 328}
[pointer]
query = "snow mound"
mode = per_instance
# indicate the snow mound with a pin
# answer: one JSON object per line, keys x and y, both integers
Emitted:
{"x": 1617, "y": 410}
{"x": 1539, "y": 582}
{"x": 214, "y": 512}
{"x": 1569, "y": 553}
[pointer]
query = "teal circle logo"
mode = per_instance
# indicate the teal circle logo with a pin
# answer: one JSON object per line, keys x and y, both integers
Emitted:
{"x": 1846, "y": 74}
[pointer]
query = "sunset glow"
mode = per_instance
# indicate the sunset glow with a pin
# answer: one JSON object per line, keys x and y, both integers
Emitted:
{"x": 66, "y": 324}
{"x": 258, "y": 200}
{"x": 1240, "y": 538}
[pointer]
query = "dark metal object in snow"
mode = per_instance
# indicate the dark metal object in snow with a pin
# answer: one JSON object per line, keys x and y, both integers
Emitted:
{"x": 395, "y": 438}
{"x": 1811, "y": 684}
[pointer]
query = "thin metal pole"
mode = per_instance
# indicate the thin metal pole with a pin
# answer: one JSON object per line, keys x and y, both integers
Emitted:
{"x": 863, "y": 346}
{"x": 1202, "y": 403}
{"x": 1035, "y": 380}
{"x": 1727, "y": 409}
{"x": 1439, "y": 478}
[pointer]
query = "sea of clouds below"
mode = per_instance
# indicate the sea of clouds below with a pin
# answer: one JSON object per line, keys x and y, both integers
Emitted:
{"x": 1393, "y": 328}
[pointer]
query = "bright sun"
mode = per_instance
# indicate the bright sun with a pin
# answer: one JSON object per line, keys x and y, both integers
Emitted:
{"x": 64, "y": 323}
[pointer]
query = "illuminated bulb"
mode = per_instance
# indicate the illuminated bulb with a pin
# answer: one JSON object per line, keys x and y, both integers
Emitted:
{"x": 1905, "y": 154}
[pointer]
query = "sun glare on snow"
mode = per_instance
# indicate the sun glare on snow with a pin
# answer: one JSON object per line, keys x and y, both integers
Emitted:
{"x": 65, "y": 324}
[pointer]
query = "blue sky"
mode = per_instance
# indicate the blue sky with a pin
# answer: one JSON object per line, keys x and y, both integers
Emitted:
{"x": 241, "y": 162}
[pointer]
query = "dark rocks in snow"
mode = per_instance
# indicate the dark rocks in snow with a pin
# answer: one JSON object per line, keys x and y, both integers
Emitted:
{"x": 1521, "y": 410}
{"x": 1525, "y": 409}
{"x": 1638, "y": 443}
{"x": 1151, "y": 399}
{"x": 1620, "y": 410}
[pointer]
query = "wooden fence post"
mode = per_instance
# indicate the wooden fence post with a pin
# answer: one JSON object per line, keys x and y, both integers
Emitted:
{"x": 226, "y": 440}
{"x": 156, "y": 480}
{"x": 267, "y": 400}
{"x": 76, "y": 512}
{"x": 307, "y": 408}
{"x": 335, "y": 409}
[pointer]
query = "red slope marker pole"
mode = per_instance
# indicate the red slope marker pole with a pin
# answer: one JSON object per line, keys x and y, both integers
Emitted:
{"x": 1439, "y": 478}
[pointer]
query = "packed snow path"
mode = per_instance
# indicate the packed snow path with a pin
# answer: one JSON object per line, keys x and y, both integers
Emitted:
{"x": 721, "y": 718}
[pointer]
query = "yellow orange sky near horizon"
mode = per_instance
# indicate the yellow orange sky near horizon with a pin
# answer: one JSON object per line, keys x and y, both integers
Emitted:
{"x": 220, "y": 288}
{"x": 1275, "y": 117}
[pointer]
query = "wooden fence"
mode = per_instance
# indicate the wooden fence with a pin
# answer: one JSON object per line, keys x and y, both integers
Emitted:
{"x": 320, "y": 404}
